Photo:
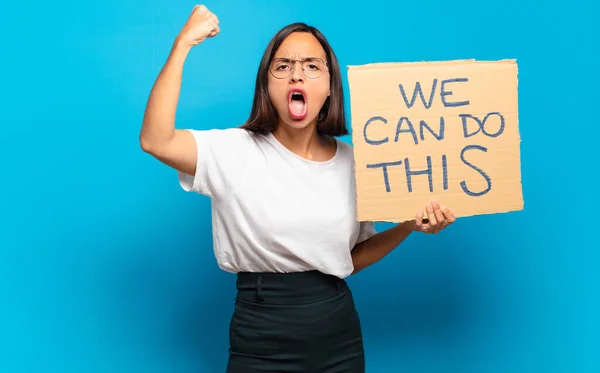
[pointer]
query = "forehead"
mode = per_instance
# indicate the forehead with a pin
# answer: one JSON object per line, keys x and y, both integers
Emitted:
{"x": 300, "y": 45}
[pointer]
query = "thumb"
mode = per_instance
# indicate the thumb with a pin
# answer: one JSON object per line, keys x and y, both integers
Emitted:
{"x": 216, "y": 30}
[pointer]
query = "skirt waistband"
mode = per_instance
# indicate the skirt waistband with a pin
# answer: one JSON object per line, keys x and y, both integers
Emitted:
{"x": 288, "y": 288}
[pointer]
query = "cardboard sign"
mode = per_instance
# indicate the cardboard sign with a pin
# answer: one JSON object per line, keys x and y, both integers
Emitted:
{"x": 445, "y": 131}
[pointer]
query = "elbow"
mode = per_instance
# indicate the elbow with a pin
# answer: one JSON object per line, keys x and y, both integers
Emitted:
{"x": 148, "y": 144}
{"x": 153, "y": 143}
{"x": 361, "y": 257}
{"x": 357, "y": 267}
{"x": 145, "y": 144}
{"x": 147, "y": 138}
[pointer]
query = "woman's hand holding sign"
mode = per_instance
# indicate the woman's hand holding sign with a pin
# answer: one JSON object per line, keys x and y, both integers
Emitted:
{"x": 438, "y": 218}
{"x": 370, "y": 251}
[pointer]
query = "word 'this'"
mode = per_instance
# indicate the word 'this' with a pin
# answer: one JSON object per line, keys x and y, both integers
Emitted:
{"x": 405, "y": 121}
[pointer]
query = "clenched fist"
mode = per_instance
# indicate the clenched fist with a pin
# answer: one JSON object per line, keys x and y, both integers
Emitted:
{"x": 201, "y": 24}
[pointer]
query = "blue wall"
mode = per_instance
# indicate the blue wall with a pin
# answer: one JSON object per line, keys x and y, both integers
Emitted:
{"x": 106, "y": 265}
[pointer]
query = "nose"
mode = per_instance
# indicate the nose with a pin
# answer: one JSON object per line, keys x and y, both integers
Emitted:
{"x": 297, "y": 74}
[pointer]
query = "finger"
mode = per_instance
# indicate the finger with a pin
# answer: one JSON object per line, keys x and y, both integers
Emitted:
{"x": 214, "y": 32}
{"x": 448, "y": 214}
{"x": 439, "y": 215}
{"x": 198, "y": 8}
{"x": 215, "y": 18}
{"x": 419, "y": 220}
{"x": 427, "y": 229}
{"x": 431, "y": 215}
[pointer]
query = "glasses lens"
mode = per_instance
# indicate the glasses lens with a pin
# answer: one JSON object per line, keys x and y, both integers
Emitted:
{"x": 281, "y": 68}
{"x": 312, "y": 68}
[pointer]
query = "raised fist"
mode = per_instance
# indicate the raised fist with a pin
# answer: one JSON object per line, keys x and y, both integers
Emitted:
{"x": 201, "y": 24}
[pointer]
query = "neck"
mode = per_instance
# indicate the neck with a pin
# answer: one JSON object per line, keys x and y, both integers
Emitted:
{"x": 303, "y": 141}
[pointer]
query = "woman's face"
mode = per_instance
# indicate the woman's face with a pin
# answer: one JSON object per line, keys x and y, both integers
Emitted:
{"x": 296, "y": 94}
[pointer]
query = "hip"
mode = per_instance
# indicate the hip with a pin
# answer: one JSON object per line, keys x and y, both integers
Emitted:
{"x": 304, "y": 320}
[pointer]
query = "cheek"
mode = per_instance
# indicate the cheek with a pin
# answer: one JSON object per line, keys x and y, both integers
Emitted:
{"x": 277, "y": 93}
{"x": 320, "y": 92}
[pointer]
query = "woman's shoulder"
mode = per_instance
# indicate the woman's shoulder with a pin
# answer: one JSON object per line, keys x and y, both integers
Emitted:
{"x": 345, "y": 149}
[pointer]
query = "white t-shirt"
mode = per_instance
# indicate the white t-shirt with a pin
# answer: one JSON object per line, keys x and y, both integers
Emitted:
{"x": 274, "y": 211}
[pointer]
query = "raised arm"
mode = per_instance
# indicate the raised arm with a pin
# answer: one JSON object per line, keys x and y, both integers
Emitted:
{"x": 158, "y": 136}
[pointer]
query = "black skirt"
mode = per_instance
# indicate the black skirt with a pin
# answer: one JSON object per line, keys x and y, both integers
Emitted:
{"x": 294, "y": 322}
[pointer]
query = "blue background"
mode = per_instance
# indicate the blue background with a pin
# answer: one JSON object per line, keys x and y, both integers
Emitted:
{"x": 106, "y": 265}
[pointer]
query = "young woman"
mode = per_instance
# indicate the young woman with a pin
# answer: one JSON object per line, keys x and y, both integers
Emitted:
{"x": 283, "y": 203}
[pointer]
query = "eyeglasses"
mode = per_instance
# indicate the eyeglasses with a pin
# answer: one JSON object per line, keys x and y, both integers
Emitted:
{"x": 312, "y": 67}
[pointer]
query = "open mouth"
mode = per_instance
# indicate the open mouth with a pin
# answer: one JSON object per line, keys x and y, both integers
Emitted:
{"x": 297, "y": 104}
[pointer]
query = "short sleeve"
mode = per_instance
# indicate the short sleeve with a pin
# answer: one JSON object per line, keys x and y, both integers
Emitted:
{"x": 221, "y": 154}
{"x": 366, "y": 231}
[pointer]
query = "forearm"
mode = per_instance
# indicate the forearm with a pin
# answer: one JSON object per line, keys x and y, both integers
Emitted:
{"x": 375, "y": 248}
{"x": 159, "y": 118}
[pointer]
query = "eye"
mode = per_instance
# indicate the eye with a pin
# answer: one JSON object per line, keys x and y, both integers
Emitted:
{"x": 282, "y": 65}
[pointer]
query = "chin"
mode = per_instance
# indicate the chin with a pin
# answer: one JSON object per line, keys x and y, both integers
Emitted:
{"x": 298, "y": 123}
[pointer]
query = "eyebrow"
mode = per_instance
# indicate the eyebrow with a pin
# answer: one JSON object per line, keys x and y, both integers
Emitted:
{"x": 305, "y": 58}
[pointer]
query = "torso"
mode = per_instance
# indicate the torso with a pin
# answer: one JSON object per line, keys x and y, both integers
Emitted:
{"x": 284, "y": 213}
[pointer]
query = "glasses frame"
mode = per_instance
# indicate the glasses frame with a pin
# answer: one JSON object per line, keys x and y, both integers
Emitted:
{"x": 293, "y": 62}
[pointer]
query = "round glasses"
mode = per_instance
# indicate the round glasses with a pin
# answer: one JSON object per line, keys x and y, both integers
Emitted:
{"x": 312, "y": 67}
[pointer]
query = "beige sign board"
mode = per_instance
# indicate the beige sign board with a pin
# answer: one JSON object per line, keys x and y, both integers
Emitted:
{"x": 445, "y": 131}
